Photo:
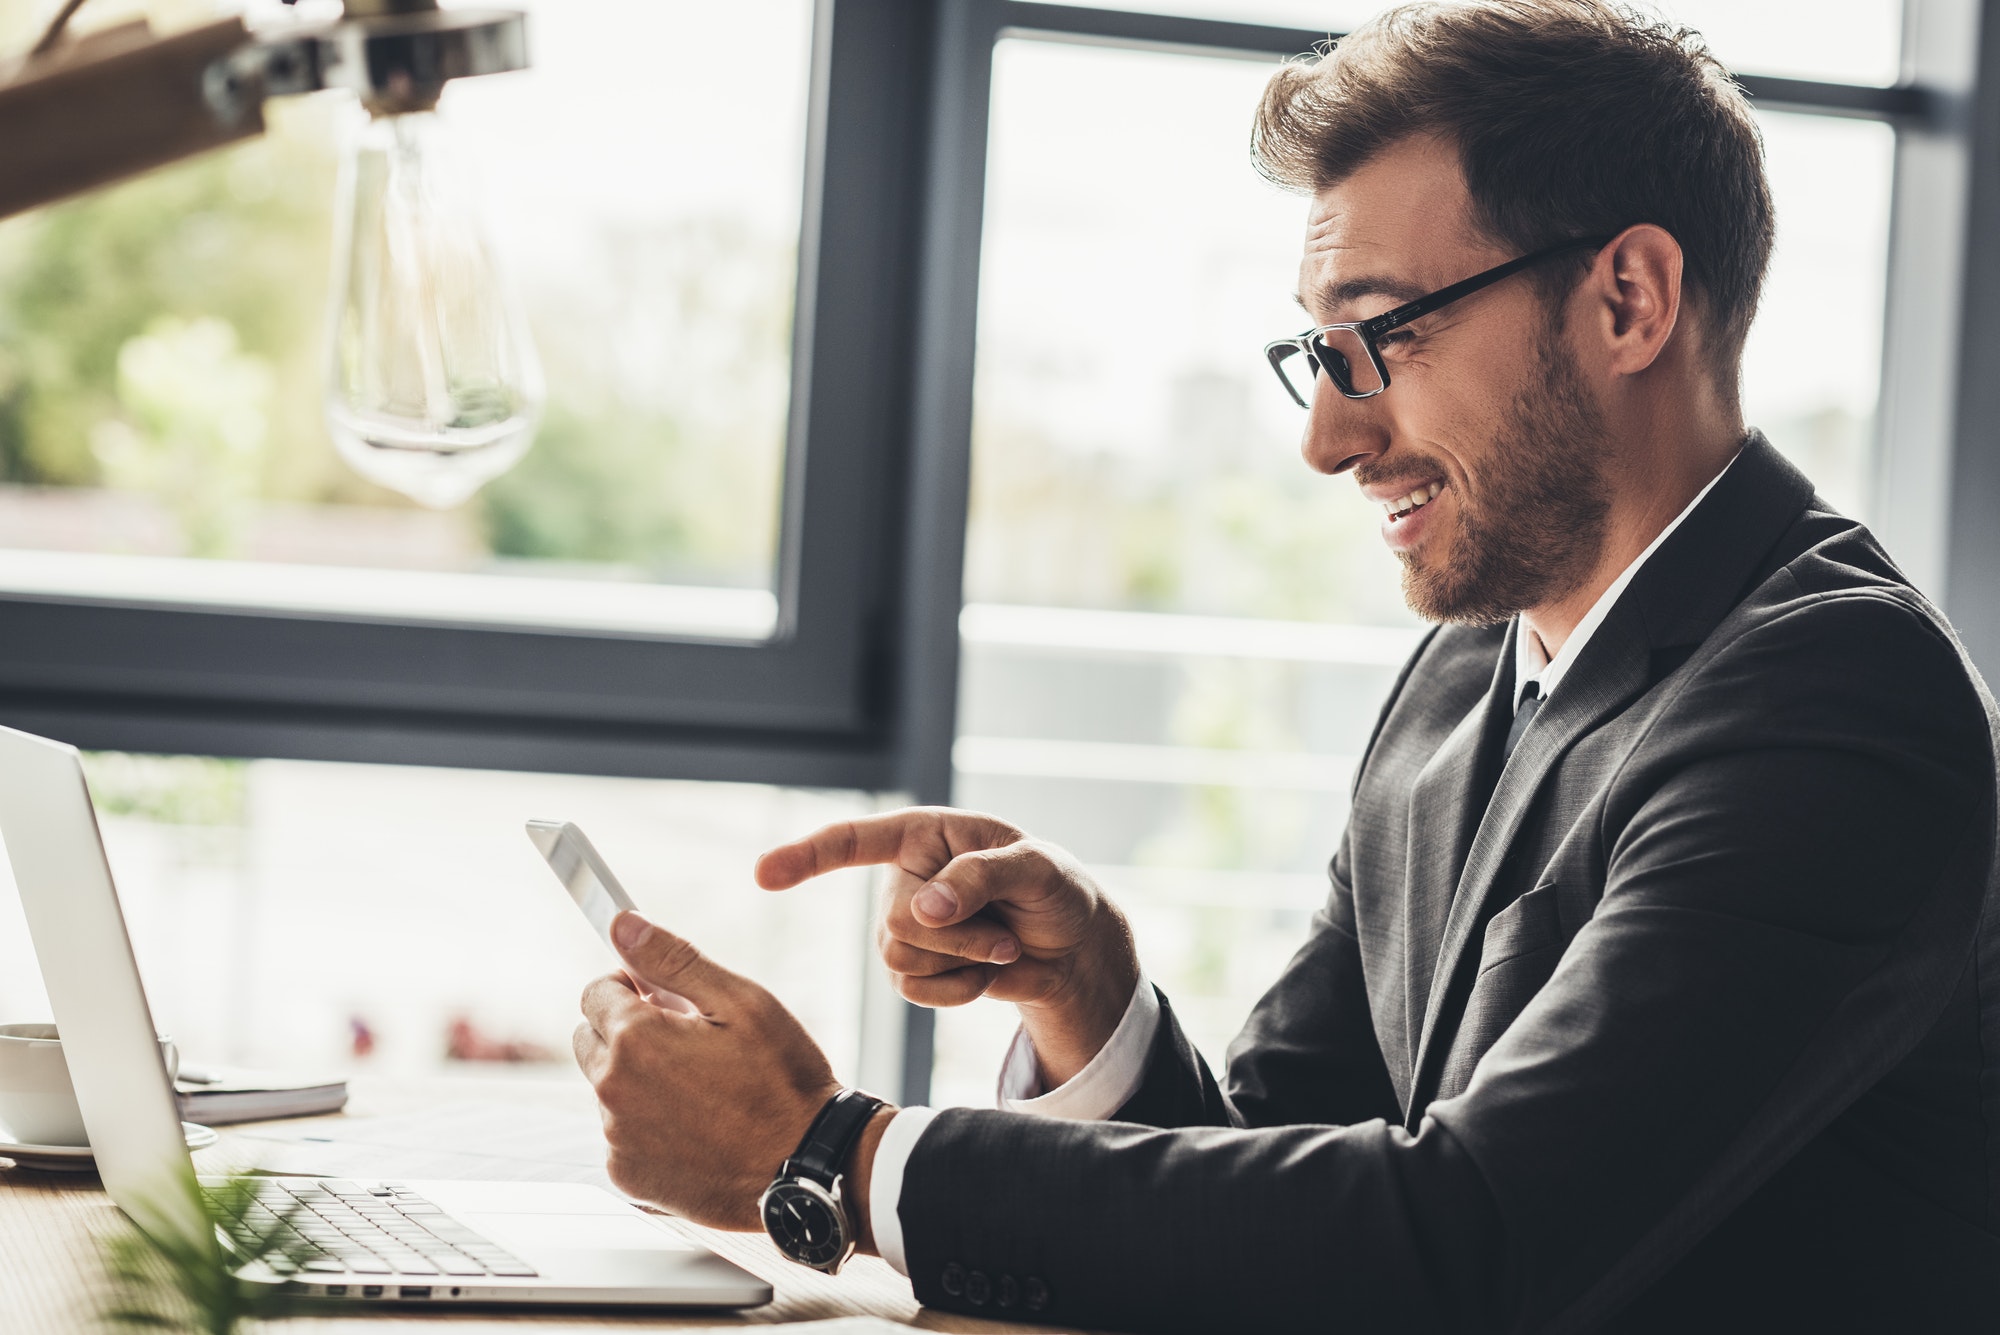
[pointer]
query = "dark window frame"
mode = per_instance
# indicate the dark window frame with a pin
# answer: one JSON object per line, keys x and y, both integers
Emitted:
{"x": 808, "y": 706}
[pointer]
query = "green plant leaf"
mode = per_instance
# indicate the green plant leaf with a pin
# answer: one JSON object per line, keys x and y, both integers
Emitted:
{"x": 170, "y": 1277}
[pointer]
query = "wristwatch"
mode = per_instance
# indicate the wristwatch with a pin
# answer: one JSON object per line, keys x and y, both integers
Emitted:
{"x": 804, "y": 1209}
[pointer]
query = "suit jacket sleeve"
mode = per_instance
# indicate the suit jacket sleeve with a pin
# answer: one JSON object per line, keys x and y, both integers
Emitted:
{"x": 1794, "y": 871}
{"x": 1307, "y": 1054}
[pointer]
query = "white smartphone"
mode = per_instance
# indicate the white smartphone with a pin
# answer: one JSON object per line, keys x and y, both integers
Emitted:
{"x": 590, "y": 883}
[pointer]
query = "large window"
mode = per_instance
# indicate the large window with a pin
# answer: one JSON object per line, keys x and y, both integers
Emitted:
{"x": 694, "y": 570}
{"x": 160, "y": 385}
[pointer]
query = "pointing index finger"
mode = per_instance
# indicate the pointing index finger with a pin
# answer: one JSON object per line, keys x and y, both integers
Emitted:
{"x": 845, "y": 843}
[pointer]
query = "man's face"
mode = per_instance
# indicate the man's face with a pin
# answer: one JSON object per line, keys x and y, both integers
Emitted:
{"x": 1488, "y": 424}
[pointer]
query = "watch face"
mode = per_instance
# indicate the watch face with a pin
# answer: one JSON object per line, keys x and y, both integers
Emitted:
{"x": 806, "y": 1222}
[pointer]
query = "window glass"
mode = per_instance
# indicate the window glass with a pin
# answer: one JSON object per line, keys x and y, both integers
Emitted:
{"x": 162, "y": 349}
{"x": 1844, "y": 41}
{"x": 1825, "y": 291}
{"x": 1176, "y": 636}
{"x": 396, "y": 920}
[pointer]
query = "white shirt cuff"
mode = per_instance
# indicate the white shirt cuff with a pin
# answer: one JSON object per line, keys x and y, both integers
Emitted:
{"x": 885, "y": 1181}
{"x": 1091, "y": 1095}
{"x": 1100, "y": 1088}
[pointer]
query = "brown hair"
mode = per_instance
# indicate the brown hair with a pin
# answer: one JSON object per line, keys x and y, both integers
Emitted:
{"x": 1571, "y": 118}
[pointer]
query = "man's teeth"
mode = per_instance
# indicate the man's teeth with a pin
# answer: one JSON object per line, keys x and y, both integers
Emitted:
{"x": 1417, "y": 499}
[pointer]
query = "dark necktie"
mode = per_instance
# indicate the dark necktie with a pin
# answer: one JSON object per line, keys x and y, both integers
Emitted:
{"x": 1531, "y": 700}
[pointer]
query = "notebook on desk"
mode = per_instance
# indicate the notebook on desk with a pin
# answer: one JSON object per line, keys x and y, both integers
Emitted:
{"x": 222, "y": 1095}
{"x": 362, "y": 1237}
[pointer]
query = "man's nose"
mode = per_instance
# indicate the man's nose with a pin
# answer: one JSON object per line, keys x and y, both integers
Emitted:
{"x": 1341, "y": 432}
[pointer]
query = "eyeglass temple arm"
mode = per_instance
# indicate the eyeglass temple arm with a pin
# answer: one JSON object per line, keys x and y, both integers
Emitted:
{"x": 1444, "y": 296}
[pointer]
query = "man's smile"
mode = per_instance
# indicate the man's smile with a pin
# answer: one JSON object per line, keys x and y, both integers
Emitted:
{"x": 1405, "y": 502}
{"x": 1402, "y": 507}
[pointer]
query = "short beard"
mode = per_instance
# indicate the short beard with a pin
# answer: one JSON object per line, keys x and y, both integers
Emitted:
{"x": 1533, "y": 530}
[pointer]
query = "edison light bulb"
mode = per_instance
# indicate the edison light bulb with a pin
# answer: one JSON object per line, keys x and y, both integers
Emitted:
{"x": 434, "y": 389}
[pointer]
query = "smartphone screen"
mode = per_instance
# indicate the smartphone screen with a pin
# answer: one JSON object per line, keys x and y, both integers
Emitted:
{"x": 596, "y": 891}
{"x": 582, "y": 872}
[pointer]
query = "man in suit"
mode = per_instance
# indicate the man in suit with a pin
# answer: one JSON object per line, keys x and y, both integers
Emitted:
{"x": 1658, "y": 988}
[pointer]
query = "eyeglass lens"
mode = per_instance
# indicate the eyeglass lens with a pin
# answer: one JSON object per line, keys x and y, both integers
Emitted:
{"x": 1344, "y": 357}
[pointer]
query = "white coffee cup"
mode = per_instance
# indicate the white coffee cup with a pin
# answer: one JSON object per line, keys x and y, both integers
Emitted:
{"x": 37, "y": 1102}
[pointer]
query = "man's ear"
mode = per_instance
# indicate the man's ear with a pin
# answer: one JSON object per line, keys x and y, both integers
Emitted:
{"x": 1635, "y": 292}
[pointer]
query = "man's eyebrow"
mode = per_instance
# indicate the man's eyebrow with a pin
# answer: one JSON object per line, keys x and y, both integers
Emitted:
{"x": 1349, "y": 290}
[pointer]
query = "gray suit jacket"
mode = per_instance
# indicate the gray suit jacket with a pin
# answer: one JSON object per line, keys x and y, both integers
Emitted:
{"x": 1692, "y": 1025}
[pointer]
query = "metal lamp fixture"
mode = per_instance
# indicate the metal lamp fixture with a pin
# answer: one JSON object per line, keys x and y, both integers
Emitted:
{"x": 432, "y": 383}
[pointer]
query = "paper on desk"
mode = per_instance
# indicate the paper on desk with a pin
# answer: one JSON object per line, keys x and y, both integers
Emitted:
{"x": 487, "y": 1140}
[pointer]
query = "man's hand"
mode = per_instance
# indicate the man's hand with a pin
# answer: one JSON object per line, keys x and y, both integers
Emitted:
{"x": 701, "y": 1106}
{"x": 975, "y": 908}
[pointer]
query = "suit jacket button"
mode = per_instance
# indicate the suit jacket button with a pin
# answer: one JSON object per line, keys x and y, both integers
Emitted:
{"x": 952, "y": 1281}
{"x": 1036, "y": 1292}
{"x": 1010, "y": 1291}
{"x": 978, "y": 1288}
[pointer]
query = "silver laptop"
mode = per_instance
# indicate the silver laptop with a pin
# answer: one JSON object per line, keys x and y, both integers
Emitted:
{"x": 367, "y": 1240}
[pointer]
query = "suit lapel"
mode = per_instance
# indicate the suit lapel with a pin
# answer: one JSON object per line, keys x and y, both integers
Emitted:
{"x": 1611, "y": 672}
{"x": 1675, "y": 600}
{"x": 1446, "y": 804}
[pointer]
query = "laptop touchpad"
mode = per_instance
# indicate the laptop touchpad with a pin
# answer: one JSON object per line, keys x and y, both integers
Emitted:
{"x": 532, "y": 1234}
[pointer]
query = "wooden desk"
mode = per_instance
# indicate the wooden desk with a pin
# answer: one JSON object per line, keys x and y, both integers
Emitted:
{"x": 52, "y": 1227}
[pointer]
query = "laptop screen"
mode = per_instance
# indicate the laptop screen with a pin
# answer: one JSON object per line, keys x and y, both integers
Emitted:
{"x": 67, "y": 896}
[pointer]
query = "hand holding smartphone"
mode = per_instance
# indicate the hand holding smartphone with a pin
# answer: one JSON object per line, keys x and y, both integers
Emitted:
{"x": 594, "y": 889}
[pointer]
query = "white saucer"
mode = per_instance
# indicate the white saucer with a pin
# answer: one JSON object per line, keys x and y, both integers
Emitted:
{"x": 77, "y": 1158}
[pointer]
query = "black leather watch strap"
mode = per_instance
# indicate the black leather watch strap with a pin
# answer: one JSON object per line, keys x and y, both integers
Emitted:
{"x": 823, "y": 1152}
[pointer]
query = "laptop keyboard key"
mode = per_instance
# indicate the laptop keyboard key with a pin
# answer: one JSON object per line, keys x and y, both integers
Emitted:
{"x": 371, "y": 1228}
{"x": 450, "y": 1230}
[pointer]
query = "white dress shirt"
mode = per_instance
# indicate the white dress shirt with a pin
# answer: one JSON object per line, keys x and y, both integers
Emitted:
{"x": 1531, "y": 660}
{"x": 1115, "y": 1073}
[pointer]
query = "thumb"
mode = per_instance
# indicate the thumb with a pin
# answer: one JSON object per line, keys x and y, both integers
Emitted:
{"x": 971, "y": 881}
{"x": 661, "y": 962}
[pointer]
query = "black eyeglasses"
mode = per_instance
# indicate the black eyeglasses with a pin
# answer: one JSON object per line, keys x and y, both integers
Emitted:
{"x": 1348, "y": 353}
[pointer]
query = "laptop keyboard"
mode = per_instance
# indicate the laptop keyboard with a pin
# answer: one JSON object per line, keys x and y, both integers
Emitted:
{"x": 367, "y": 1228}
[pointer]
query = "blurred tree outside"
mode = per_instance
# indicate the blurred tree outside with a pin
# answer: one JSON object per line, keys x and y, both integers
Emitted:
{"x": 162, "y": 340}
{"x": 662, "y": 446}
{"x": 238, "y": 237}
{"x": 194, "y": 428}
{"x": 168, "y": 790}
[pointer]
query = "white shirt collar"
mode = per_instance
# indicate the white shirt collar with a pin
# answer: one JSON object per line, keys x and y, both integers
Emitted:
{"x": 1530, "y": 664}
